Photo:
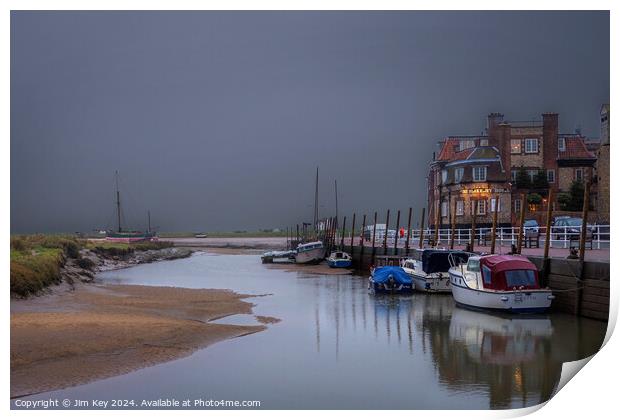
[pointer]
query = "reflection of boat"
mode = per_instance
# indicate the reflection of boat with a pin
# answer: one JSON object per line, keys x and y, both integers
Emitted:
{"x": 339, "y": 259}
{"x": 497, "y": 339}
{"x": 499, "y": 282}
{"x": 311, "y": 252}
{"x": 388, "y": 279}
{"x": 428, "y": 268}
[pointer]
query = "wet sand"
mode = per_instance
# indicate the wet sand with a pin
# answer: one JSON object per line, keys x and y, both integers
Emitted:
{"x": 69, "y": 337}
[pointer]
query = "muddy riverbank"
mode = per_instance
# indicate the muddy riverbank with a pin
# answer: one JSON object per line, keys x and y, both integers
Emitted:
{"x": 74, "y": 335}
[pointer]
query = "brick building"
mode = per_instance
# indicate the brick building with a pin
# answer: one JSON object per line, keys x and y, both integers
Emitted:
{"x": 602, "y": 169}
{"x": 508, "y": 160}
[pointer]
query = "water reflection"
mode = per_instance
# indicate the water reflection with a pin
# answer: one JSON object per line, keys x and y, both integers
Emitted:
{"x": 337, "y": 345}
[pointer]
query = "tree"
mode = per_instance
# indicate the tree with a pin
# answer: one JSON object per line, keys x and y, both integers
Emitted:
{"x": 534, "y": 198}
{"x": 523, "y": 179}
{"x": 564, "y": 200}
{"x": 576, "y": 195}
{"x": 540, "y": 180}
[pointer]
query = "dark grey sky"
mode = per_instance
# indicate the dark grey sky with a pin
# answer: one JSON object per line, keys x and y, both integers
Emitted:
{"x": 217, "y": 120}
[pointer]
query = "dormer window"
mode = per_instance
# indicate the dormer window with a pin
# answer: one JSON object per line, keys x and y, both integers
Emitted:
{"x": 479, "y": 173}
{"x": 562, "y": 144}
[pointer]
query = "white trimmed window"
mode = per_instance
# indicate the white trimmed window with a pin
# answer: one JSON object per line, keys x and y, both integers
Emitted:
{"x": 499, "y": 205}
{"x": 518, "y": 205}
{"x": 444, "y": 176}
{"x": 531, "y": 145}
{"x": 484, "y": 142}
{"x": 460, "y": 207}
{"x": 458, "y": 174}
{"x": 579, "y": 174}
{"x": 481, "y": 210}
{"x": 531, "y": 173}
{"x": 515, "y": 146}
{"x": 467, "y": 144}
{"x": 562, "y": 144}
{"x": 551, "y": 176}
{"x": 513, "y": 175}
{"x": 479, "y": 173}
{"x": 444, "y": 209}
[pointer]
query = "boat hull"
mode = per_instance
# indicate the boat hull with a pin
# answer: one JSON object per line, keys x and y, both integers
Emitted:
{"x": 311, "y": 256}
{"x": 526, "y": 301}
{"x": 431, "y": 284}
{"x": 339, "y": 263}
{"x": 384, "y": 288}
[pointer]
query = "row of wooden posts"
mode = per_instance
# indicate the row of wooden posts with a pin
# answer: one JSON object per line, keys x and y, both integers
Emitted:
{"x": 329, "y": 232}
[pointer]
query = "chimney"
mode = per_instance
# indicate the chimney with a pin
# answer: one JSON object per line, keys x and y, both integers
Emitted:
{"x": 550, "y": 139}
{"x": 494, "y": 119}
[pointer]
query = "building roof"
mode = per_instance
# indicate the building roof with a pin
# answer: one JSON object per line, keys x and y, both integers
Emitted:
{"x": 575, "y": 149}
{"x": 450, "y": 148}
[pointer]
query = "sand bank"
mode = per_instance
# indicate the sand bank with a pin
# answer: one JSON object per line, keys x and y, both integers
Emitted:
{"x": 70, "y": 337}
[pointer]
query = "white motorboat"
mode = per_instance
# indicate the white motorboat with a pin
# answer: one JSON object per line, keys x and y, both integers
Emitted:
{"x": 339, "y": 259}
{"x": 310, "y": 253}
{"x": 428, "y": 268}
{"x": 499, "y": 282}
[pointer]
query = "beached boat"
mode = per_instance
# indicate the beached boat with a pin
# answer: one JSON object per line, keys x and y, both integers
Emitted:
{"x": 339, "y": 259}
{"x": 278, "y": 256}
{"x": 310, "y": 253}
{"x": 390, "y": 279}
{"x": 499, "y": 282}
{"x": 428, "y": 268}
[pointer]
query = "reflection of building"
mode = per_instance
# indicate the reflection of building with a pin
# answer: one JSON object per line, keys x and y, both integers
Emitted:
{"x": 510, "y": 159}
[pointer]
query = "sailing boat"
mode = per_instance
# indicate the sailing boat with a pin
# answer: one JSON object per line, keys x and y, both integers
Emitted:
{"x": 312, "y": 252}
{"x": 126, "y": 235}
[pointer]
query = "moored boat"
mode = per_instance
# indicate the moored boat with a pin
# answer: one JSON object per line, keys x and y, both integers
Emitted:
{"x": 428, "y": 268}
{"x": 390, "y": 279}
{"x": 310, "y": 253}
{"x": 339, "y": 259}
{"x": 499, "y": 282}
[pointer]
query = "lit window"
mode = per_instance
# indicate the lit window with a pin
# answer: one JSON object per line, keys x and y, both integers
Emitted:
{"x": 444, "y": 209}
{"x": 551, "y": 175}
{"x": 481, "y": 207}
{"x": 460, "y": 206}
{"x": 479, "y": 173}
{"x": 579, "y": 174}
{"x": 531, "y": 145}
{"x": 515, "y": 146}
{"x": 458, "y": 174}
{"x": 561, "y": 144}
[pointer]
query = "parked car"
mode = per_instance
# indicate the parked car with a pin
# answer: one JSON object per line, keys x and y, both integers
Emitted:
{"x": 569, "y": 228}
{"x": 530, "y": 225}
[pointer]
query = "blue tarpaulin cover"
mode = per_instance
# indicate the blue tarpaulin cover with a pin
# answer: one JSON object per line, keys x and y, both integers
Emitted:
{"x": 382, "y": 274}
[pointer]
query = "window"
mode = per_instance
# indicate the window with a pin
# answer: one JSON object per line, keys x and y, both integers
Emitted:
{"x": 479, "y": 173}
{"x": 518, "y": 278}
{"x": 467, "y": 144}
{"x": 481, "y": 209}
{"x": 531, "y": 145}
{"x": 518, "y": 205}
{"x": 444, "y": 209}
{"x": 444, "y": 176}
{"x": 499, "y": 205}
{"x": 473, "y": 265}
{"x": 579, "y": 174}
{"x": 513, "y": 175}
{"x": 458, "y": 174}
{"x": 551, "y": 176}
{"x": 515, "y": 146}
{"x": 460, "y": 206}
{"x": 484, "y": 142}
{"x": 531, "y": 173}
{"x": 561, "y": 144}
{"x": 486, "y": 275}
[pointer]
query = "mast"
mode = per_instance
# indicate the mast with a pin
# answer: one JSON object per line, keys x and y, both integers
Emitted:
{"x": 149, "y": 216}
{"x": 336, "y": 191}
{"x": 118, "y": 203}
{"x": 316, "y": 200}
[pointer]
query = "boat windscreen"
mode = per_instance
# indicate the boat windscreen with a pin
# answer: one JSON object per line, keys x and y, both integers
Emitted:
{"x": 440, "y": 262}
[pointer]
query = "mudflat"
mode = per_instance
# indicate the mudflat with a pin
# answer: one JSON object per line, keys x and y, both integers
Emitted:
{"x": 75, "y": 335}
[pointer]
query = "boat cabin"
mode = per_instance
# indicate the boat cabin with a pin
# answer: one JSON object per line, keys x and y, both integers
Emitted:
{"x": 505, "y": 272}
{"x": 309, "y": 246}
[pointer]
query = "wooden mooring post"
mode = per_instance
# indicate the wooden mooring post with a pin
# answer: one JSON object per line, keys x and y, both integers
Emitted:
{"x": 453, "y": 226}
{"x": 421, "y": 242}
{"x": 397, "y": 231}
{"x": 408, "y": 231}
{"x": 385, "y": 237}
{"x": 362, "y": 242}
{"x": 584, "y": 222}
{"x": 521, "y": 222}
{"x": 548, "y": 226}
{"x": 494, "y": 226}
{"x": 437, "y": 221}
{"x": 374, "y": 234}
{"x": 344, "y": 223}
{"x": 472, "y": 234}
{"x": 352, "y": 233}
